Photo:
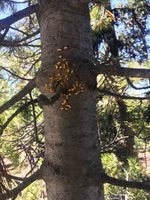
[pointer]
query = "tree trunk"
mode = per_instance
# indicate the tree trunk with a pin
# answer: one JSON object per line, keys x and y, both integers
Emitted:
{"x": 72, "y": 165}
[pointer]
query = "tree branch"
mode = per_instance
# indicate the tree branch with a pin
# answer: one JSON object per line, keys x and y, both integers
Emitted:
{"x": 13, "y": 74}
{"x": 16, "y": 113}
{"x": 29, "y": 36}
{"x": 91, "y": 1}
{"x": 16, "y": 178}
{"x": 16, "y": 44}
{"x": 35, "y": 121}
{"x": 123, "y": 183}
{"x": 6, "y": 22}
{"x": 107, "y": 92}
{"x": 134, "y": 87}
{"x": 28, "y": 88}
{"x": 27, "y": 181}
{"x": 120, "y": 71}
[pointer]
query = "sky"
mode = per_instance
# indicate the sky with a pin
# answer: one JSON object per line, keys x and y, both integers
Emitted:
{"x": 8, "y": 11}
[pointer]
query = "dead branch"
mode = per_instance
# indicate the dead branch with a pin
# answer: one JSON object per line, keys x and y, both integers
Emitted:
{"x": 145, "y": 185}
{"x": 107, "y": 92}
{"x": 6, "y": 22}
{"x": 121, "y": 71}
{"x": 16, "y": 113}
{"x": 27, "y": 181}
{"x": 28, "y": 88}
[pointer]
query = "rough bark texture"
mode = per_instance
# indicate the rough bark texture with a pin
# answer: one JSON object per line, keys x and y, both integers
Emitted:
{"x": 72, "y": 166}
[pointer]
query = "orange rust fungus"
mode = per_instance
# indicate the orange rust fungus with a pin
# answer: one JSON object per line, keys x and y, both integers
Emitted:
{"x": 63, "y": 75}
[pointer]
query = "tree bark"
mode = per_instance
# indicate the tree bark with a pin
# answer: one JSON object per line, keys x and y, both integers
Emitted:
{"x": 72, "y": 165}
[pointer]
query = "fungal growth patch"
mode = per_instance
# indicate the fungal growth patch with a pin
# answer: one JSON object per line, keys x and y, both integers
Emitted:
{"x": 65, "y": 78}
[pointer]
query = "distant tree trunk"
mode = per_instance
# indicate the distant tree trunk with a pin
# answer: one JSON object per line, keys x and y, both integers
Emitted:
{"x": 72, "y": 164}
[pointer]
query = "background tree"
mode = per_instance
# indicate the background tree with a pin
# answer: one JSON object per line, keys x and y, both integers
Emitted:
{"x": 63, "y": 149}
